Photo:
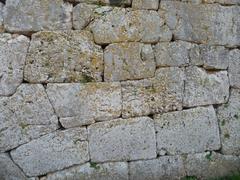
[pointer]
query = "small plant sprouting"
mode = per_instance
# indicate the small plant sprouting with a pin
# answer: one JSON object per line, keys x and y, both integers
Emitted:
{"x": 94, "y": 165}
{"x": 209, "y": 156}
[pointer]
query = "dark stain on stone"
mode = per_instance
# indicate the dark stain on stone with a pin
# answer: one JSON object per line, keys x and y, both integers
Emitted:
{"x": 116, "y": 2}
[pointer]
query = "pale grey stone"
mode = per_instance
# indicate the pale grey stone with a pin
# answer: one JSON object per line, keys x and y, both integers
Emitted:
{"x": 211, "y": 165}
{"x": 54, "y": 151}
{"x": 24, "y": 116}
{"x": 1, "y": 17}
{"x": 162, "y": 93}
{"x": 9, "y": 170}
{"x": 13, "y": 50}
{"x": 188, "y": 131}
{"x": 81, "y": 104}
{"x": 108, "y": 2}
{"x": 122, "y": 140}
{"x": 165, "y": 34}
{"x": 128, "y": 61}
{"x": 224, "y": 2}
{"x": 163, "y": 168}
{"x": 229, "y": 120}
{"x": 26, "y": 16}
{"x": 234, "y": 68}
{"x": 122, "y": 24}
{"x": 69, "y": 56}
{"x": 145, "y": 4}
{"x": 92, "y": 171}
{"x": 204, "y": 88}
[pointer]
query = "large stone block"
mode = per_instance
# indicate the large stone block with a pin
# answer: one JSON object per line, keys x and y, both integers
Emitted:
{"x": 122, "y": 140}
{"x": 52, "y": 152}
{"x": 26, "y": 16}
{"x": 69, "y": 56}
{"x": 159, "y": 94}
{"x": 234, "y": 68}
{"x": 82, "y": 104}
{"x": 145, "y": 4}
{"x": 187, "y": 131}
{"x": 24, "y": 116}
{"x": 13, "y": 50}
{"x": 128, "y": 61}
{"x": 204, "y": 88}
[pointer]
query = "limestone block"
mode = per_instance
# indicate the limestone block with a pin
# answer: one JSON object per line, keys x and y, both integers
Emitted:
{"x": 128, "y": 61}
{"x": 24, "y": 116}
{"x": 82, "y": 104}
{"x": 234, "y": 68}
{"x": 13, "y": 50}
{"x": 203, "y": 87}
{"x": 122, "y": 140}
{"x": 145, "y": 4}
{"x": 54, "y": 151}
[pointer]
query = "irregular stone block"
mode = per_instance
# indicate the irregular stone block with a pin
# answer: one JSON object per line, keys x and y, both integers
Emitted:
{"x": 28, "y": 16}
{"x": 229, "y": 120}
{"x": 110, "y": 2}
{"x": 13, "y": 50}
{"x": 203, "y": 23}
{"x": 121, "y": 25}
{"x": 63, "y": 57}
{"x": 187, "y": 131}
{"x": 150, "y": 96}
{"x": 167, "y": 168}
{"x": 128, "y": 61}
{"x": 145, "y": 4}
{"x": 122, "y": 140}
{"x": 9, "y": 170}
{"x": 1, "y": 17}
{"x": 82, "y": 104}
{"x": 54, "y": 151}
{"x": 225, "y": 2}
{"x": 211, "y": 165}
{"x": 93, "y": 171}
{"x": 234, "y": 68}
{"x": 204, "y": 88}
{"x": 24, "y": 116}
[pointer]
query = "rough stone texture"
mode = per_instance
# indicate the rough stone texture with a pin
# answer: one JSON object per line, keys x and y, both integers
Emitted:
{"x": 81, "y": 104}
{"x": 13, "y": 50}
{"x": 24, "y": 116}
{"x": 9, "y": 170}
{"x": 122, "y": 139}
{"x": 27, "y": 16}
{"x": 92, "y": 171}
{"x": 63, "y": 57}
{"x": 196, "y": 131}
{"x": 128, "y": 61}
{"x": 167, "y": 168}
{"x": 204, "y": 23}
{"x": 145, "y": 4}
{"x": 121, "y": 25}
{"x": 110, "y": 2}
{"x": 53, "y": 152}
{"x": 225, "y": 2}
{"x": 206, "y": 165}
{"x": 229, "y": 120}
{"x": 1, "y": 17}
{"x": 203, "y": 87}
{"x": 234, "y": 68}
{"x": 159, "y": 94}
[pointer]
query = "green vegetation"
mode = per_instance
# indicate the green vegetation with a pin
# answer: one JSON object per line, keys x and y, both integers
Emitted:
{"x": 94, "y": 165}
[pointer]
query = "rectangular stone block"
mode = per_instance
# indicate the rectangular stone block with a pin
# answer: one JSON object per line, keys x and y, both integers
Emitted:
{"x": 54, "y": 151}
{"x": 234, "y": 68}
{"x": 150, "y": 96}
{"x": 145, "y": 4}
{"x": 82, "y": 104}
{"x": 122, "y": 140}
{"x": 188, "y": 131}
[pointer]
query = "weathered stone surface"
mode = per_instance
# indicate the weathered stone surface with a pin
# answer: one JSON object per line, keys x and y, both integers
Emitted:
{"x": 187, "y": 131}
{"x": 92, "y": 171}
{"x": 122, "y": 24}
{"x": 234, "y": 68}
{"x": 35, "y": 15}
{"x": 81, "y": 104}
{"x": 203, "y": 87}
{"x": 24, "y": 116}
{"x": 63, "y": 57}
{"x": 110, "y": 2}
{"x": 167, "y": 168}
{"x": 8, "y": 170}
{"x": 128, "y": 61}
{"x": 203, "y": 23}
{"x": 122, "y": 140}
{"x": 225, "y": 2}
{"x": 211, "y": 165}
{"x": 159, "y": 94}
{"x": 1, "y": 17}
{"x": 145, "y": 4}
{"x": 165, "y": 34}
{"x": 13, "y": 50}
{"x": 229, "y": 120}
{"x": 53, "y": 152}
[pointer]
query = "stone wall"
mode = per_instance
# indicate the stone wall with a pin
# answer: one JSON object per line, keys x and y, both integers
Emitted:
{"x": 119, "y": 89}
